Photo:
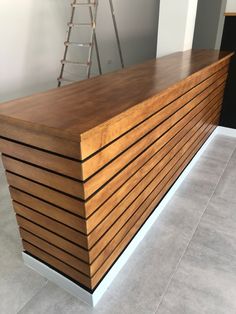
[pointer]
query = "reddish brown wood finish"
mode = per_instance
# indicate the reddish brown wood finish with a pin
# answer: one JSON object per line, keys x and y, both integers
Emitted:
{"x": 88, "y": 163}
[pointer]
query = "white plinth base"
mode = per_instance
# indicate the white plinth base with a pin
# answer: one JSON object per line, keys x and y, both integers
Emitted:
{"x": 58, "y": 279}
{"x": 92, "y": 299}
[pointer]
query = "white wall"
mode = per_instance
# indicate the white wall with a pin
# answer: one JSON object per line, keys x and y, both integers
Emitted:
{"x": 32, "y": 35}
{"x": 231, "y": 6}
{"x": 176, "y": 26}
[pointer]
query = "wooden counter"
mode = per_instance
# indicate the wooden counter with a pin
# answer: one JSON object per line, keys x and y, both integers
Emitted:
{"x": 88, "y": 163}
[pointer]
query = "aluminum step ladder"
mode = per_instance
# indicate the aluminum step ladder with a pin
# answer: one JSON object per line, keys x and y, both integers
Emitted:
{"x": 92, "y": 6}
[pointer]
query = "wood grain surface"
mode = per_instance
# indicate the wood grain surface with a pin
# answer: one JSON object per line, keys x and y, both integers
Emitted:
{"x": 85, "y": 110}
{"x": 88, "y": 163}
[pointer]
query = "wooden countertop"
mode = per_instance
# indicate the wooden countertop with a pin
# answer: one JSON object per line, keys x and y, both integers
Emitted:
{"x": 79, "y": 110}
{"x": 230, "y": 14}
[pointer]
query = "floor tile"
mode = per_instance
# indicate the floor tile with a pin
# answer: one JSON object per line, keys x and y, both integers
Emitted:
{"x": 18, "y": 284}
{"x": 216, "y": 233}
{"x": 223, "y": 208}
{"x": 135, "y": 290}
{"x": 182, "y": 213}
{"x": 205, "y": 281}
{"x": 184, "y": 299}
{"x": 201, "y": 182}
{"x": 5, "y": 199}
{"x": 51, "y": 299}
{"x": 1, "y": 167}
{"x": 220, "y": 148}
{"x": 227, "y": 185}
{"x": 203, "y": 178}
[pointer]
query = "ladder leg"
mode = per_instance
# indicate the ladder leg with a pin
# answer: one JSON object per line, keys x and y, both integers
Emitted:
{"x": 92, "y": 39}
{"x": 93, "y": 9}
{"x": 67, "y": 39}
{"x": 95, "y": 41}
{"x": 117, "y": 34}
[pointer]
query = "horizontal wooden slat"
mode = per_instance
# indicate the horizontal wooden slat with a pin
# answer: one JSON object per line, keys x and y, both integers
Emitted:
{"x": 43, "y": 159}
{"x": 131, "y": 210}
{"x": 155, "y": 175}
{"x": 59, "y": 265}
{"x": 49, "y": 210}
{"x": 171, "y": 137}
{"x": 52, "y": 225}
{"x": 69, "y": 203}
{"x": 32, "y": 172}
{"x": 92, "y": 242}
{"x": 102, "y": 157}
{"x": 60, "y": 261}
{"x": 116, "y": 165}
{"x": 127, "y": 186}
{"x": 39, "y": 138}
{"x": 120, "y": 215}
{"x": 111, "y": 259}
{"x": 18, "y": 217}
{"x": 52, "y": 238}
{"x": 56, "y": 252}
{"x": 71, "y": 272}
{"x": 56, "y": 198}
{"x": 138, "y": 162}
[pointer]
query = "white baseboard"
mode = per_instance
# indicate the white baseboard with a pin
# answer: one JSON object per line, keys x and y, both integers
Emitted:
{"x": 58, "y": 279}
{"x": 226, "y": 131}
{"x": 92, "y": 299}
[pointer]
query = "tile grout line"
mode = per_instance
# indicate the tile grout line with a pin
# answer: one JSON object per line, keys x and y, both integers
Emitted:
{"x": 24, "y": 305}
{"x": 181, "y": 257}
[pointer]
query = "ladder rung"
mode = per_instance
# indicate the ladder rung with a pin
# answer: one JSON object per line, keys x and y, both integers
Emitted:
{"x": 83, "y": 4}
{"x": 71, "y": 43}
{"x": 62, "y": 79}
{"x": 80, "y": 24}
{"x": 75, "y": 62}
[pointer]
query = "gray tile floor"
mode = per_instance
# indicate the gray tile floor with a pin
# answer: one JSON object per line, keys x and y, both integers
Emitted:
{"x": 185, "y": 264}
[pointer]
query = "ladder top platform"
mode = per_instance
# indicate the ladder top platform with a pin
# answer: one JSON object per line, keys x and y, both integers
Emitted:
{"x": 88, "y": 108}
